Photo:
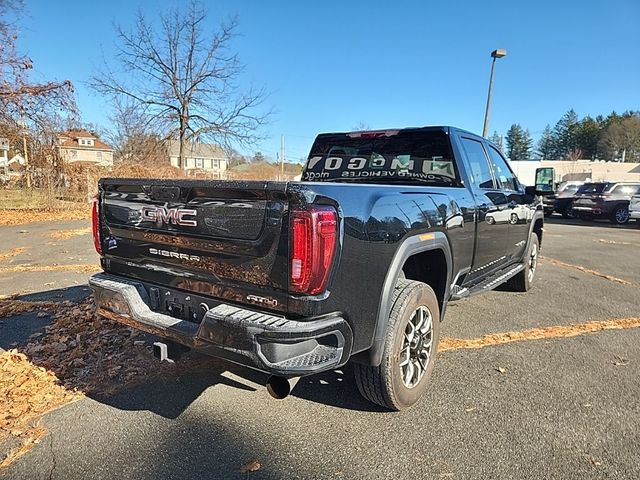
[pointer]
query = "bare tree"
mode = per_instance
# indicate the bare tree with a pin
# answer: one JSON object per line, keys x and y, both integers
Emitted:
{"x": 131, "y": 136}
{"x": 20, "y": 98}
{"x": 184, "y": 77}
{"x": 621, "y": 140}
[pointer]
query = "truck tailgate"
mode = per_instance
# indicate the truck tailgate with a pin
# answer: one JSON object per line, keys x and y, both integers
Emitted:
{"x": 217, "y": 238}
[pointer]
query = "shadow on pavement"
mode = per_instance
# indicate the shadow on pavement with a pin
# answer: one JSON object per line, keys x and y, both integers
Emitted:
{"x": 114, "y": 364}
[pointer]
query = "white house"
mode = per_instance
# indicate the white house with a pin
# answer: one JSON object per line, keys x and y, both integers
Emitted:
{"x": 199, "y": 156}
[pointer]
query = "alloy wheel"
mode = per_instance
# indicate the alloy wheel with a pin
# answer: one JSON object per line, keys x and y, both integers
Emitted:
{"x": 417, "y": 347}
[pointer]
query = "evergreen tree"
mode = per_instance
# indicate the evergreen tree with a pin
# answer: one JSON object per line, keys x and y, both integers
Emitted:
{"x": 546, "y": 144}
{"x": 566, "y": 134}
{"x": 519, "y": 143}
{"x": 496, "y": 139}
{"x": 587, "y": 136}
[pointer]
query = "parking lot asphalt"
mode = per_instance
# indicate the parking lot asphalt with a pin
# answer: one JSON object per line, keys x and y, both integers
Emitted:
{"x": 559, "y": 407}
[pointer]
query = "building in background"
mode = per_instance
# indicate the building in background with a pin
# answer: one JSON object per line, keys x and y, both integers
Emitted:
{"x": 82, "y": 147}
{"x": 199, "y": 157}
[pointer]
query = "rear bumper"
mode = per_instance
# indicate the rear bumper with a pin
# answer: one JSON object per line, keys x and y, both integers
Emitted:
{"x": 263, "y": 341}
{"x": 593, "y": 210}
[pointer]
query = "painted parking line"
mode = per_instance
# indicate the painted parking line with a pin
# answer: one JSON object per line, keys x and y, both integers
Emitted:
{"x": 543, "y": 333}
{"x": 11, "y": 253}
{"x": 611, "y": 278}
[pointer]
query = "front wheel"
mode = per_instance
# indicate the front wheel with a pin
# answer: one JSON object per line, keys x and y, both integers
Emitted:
{"x": 409, "y": 350}
{"x": 620, "y": 215}
{"x": 522, "y": 281}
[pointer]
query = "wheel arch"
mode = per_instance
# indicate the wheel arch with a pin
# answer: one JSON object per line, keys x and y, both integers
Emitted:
{"x": 433, "y": 245}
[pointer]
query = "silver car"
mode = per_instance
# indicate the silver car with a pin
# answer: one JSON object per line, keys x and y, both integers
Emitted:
{"x": 634, "y": 208}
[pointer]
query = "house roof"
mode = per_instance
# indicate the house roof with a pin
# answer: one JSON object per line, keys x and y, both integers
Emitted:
{"x": 70, "y": 140}
{"x": 196, "y": 150}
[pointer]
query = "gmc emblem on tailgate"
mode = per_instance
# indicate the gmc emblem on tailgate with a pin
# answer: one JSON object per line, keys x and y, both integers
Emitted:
{"x": 169, "y": 215}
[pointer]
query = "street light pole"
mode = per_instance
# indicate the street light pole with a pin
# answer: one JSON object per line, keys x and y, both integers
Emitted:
{"x": 499, "y": 53}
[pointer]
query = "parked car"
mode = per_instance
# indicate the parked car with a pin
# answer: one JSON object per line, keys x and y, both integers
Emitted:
{"x": 634, "y": 208}
{"x": 560, "y": 202}
{"x": 605, "y": 199}
{"x": 357, "y": 262}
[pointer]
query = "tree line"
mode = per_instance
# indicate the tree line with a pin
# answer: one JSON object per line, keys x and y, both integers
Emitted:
{"x": 615, "y": 138}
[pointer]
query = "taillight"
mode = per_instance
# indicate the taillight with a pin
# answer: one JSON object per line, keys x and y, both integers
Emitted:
{"x": 95, "y": 224}
{"x": 313, "y": 244}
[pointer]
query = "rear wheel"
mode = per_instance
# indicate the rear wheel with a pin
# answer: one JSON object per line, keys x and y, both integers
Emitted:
{"x": 620, "y": 215}
{"x": 568, "y": 212}
{"x": 522, "y": 281}
{"x": 409, "y": 349}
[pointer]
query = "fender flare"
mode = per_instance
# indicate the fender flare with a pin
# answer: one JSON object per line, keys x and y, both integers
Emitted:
{"x": 411, "y": 246}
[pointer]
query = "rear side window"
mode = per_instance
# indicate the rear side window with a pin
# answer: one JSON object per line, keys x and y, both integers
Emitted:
{"x": 593, "y": 188}
{"x": 626, "y": 189}
{"x": 506, "y": 180}
{"x": 478, "y": 163}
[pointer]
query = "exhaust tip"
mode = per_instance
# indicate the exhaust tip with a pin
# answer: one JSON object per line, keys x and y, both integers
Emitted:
{"x": 280, "y": 387}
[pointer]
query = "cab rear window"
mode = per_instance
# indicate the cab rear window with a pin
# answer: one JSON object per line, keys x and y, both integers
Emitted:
{"x": 384, "y": 155}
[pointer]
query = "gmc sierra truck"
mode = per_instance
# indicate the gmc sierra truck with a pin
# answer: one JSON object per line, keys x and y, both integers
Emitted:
{"x": 355, "y": 263}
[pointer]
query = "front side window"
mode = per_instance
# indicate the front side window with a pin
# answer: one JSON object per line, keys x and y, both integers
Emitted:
{"x": 504, "y": 177}
{"x": 478, "y": 163}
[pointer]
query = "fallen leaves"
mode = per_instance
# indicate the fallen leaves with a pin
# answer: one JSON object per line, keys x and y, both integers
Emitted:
{"x": 26, "y": 215}
{"x": 79, "y": 353}
{"x": 66, "y": 234}
{"x": 82, "y": 268}
{"x": 558, "y": 331}
{"x": 27, "y": 392}
{"x": 11, "y": 253}
{"x": 252, "y": 466}
{"x": 501, "y": 370}
{"x": 11, "y": 306}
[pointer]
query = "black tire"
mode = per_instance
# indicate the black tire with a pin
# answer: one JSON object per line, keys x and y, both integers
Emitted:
{"x": 568, "y": 212}
{"x": 522, "y": 281}
{"x": 384, "y": 384}
{"x": 620, "y": 215}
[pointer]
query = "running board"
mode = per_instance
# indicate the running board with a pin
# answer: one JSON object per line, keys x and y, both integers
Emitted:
{"x": 489, "y": 283}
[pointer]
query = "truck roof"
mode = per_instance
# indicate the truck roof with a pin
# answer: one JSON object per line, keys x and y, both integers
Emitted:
{"x": 445, "y": 128}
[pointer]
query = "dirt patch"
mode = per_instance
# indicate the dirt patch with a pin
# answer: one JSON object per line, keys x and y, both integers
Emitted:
{"x": 65, "y": 234}
{"x": 82, "y": 268}
{"x": 587, "y": 270}
{"x": 80, "y": 353}
{"x": 11, "y": 253}
{"x": 22, "y": 216}
{"x": 559, "y": 331}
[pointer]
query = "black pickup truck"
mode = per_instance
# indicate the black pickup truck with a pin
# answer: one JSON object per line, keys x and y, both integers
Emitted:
{"x": 357, "y": 262}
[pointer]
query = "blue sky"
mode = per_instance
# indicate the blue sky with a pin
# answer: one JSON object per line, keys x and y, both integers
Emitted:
{"x": 332, "y": 65}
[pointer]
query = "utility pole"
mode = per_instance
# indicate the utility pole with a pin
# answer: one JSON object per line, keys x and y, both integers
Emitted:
{"x": 281, "y": 157}
{"x": 499, "y": 53}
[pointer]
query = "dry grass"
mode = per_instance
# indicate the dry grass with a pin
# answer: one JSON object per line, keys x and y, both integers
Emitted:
{"x": 82, "y": 268}
{"x": 11, "y": 253}
{"x": 66, "y": 234}
{"x": 558, "y": 331}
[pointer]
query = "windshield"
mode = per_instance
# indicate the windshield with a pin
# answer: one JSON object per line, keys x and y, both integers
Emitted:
{"x": 399, "y": 155}
{"x": 592, "y": 188}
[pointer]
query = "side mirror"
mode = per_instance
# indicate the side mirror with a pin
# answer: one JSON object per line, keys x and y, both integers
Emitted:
{"x": 545, "y": 184}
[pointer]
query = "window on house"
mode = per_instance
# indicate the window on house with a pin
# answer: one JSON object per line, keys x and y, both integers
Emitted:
{"x": 199, "y": 162}
{"x": 73, "y": 154}
{"x": 216, "y": 163}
